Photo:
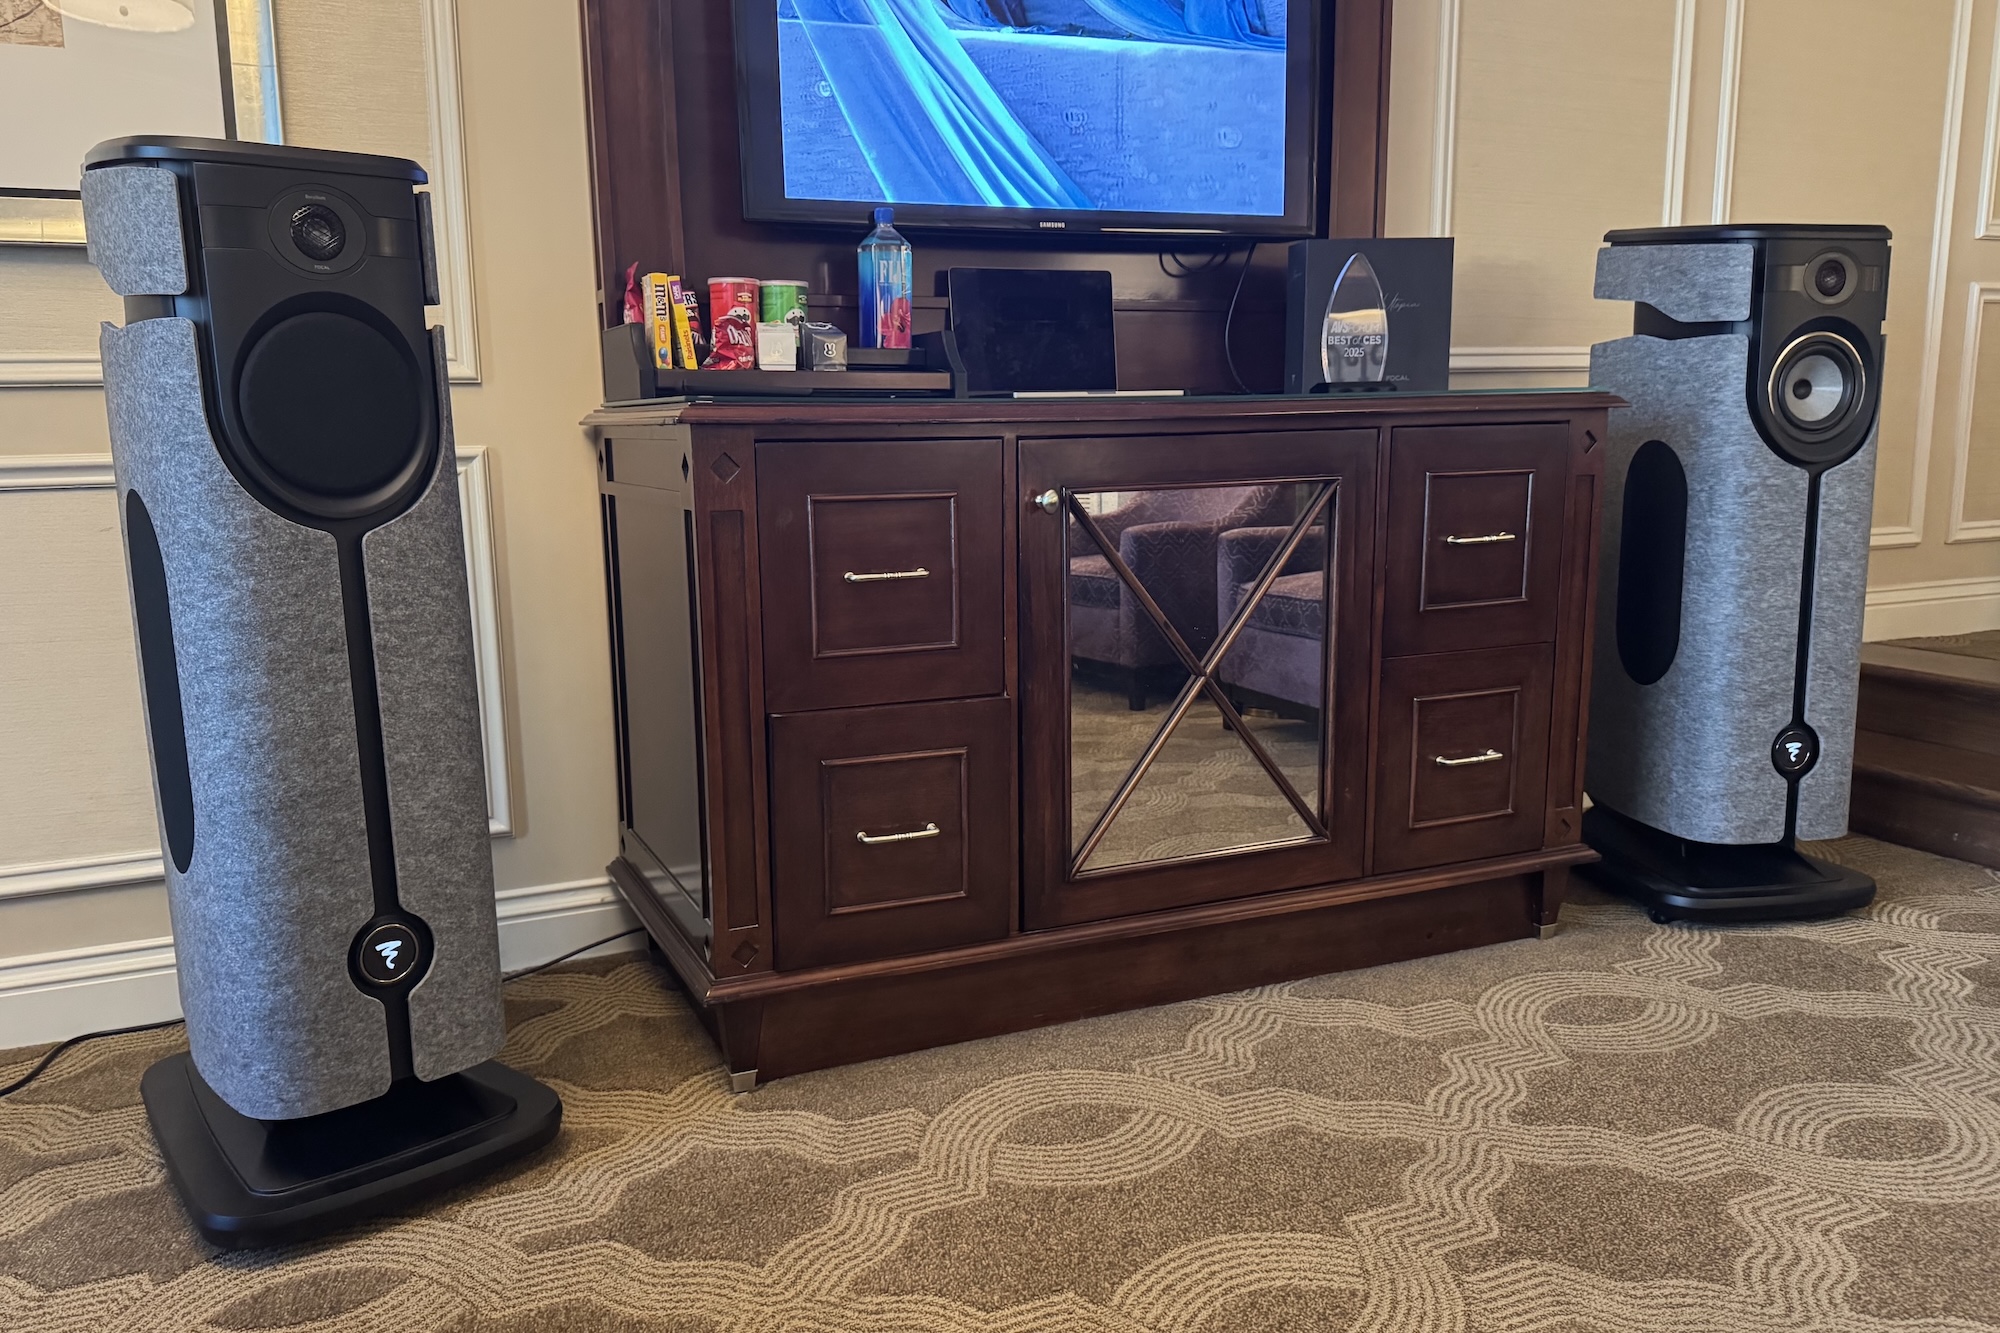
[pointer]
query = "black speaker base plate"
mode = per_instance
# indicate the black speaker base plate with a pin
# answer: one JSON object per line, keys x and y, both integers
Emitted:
{"x": 1678, "y": 880}
{"x": 252, "y": 1182}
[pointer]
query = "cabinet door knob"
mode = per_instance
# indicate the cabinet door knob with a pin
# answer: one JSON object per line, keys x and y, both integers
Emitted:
{"x": 871, "y": 839}
{"x": 1487, "y": 540}
{"x": 1048, "y": 502}
{"x": 1486, "y": 758}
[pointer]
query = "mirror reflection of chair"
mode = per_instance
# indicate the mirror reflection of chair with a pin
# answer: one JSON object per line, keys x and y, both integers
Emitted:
{"x": 1279, "y": 660}
{"x": 1167, "y": 538}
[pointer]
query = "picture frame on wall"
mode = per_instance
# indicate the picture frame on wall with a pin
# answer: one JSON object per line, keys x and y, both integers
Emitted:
{"x": 74, "y": 73}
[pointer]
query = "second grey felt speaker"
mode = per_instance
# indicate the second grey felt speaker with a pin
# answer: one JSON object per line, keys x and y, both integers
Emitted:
{"x": 281, "y": 434}
{"x": 1734, "y": 555}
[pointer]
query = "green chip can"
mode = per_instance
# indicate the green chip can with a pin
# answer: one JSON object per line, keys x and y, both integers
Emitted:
{"x": 783, "y": 300}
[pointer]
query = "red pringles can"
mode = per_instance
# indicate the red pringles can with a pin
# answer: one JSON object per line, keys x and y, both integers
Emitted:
{"x": 732, "y": 319}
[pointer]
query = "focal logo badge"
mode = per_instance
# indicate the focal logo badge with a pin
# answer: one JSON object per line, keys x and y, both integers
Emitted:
{"x": 388, "y": 954}
{"x": 1795, "y": 750}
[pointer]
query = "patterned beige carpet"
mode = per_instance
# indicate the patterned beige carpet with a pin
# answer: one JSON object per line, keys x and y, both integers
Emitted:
{"x": 1630, "y": 1127}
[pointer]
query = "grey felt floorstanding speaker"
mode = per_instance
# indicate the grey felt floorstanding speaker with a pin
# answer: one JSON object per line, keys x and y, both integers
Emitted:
{"x": 281, "y": 433}
{"x": 1738, "y": 489}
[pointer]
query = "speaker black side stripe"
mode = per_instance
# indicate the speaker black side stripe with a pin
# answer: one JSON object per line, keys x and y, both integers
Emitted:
{"x": 375, "y": 796}
{"x": 166, "y": 723}
{"x": 1808, "y": 578}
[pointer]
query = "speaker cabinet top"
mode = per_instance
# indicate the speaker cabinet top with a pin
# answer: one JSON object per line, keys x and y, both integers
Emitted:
{"x": 1747, "y": 231}
{"x": 235, "y": 152}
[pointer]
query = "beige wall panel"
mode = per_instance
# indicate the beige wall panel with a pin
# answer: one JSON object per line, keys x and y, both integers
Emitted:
{"x": 51, "y": 301}
{"x": 52, "y": 421}
{"x": 529, "y": 170}
{"x": 75, "y": 780}
{"x": 351, "y": 76}
{"x": 58, "y": 922}
{"x": 1561, "y": 135}
{"x": 1982, "y": 475}
{"x": 1412, "y": 104}
{"x": 1804, "y": 155}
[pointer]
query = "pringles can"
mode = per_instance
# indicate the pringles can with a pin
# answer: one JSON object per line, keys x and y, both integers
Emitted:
{"x": 783, "y": 300}
{"x": 732, "y": 321}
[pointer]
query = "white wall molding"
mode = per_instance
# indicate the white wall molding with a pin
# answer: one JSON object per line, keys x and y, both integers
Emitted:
{"x": 1986, "y": 226}
{"x": 1945, "y": 606}
{"x": 451, "y": 214}
{"x": 32, "y": 879}
{"x": 482, "y": 582}
{"x": 1680, "y": 86}
{"x": 1936, "y": 296}
{"x": 1963, "y": 529}
{"x": 1725, "y": 111}
{"x": 47, "y": 997}
{"x": 49, "y": 370}
{"x": 43, "y": 472}
{"x": 1518, "y": 360}
{"x": 1444, "y": 118}
{"x": 55, "y": 472}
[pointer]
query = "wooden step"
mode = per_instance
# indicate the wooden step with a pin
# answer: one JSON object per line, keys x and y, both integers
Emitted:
{"x": 1939, "y": 798}
{"x": 1947, "y": 699}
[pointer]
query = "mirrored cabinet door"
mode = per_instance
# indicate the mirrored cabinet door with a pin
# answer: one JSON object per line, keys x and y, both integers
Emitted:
{"x": 1196, "y": 626}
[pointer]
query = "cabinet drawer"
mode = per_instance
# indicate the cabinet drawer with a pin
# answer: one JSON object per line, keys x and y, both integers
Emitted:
{"x": 1462, "y": 756}
{"x": 1475, "y": 536}
{"x": 892, "y": 829}
{"x": 882, "y": 572}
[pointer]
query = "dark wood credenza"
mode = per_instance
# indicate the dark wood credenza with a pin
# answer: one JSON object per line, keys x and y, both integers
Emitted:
{"x": 943, "y": 719}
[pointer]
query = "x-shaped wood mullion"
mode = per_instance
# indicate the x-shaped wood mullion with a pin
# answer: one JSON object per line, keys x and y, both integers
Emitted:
{"x": 1201, "y": 671}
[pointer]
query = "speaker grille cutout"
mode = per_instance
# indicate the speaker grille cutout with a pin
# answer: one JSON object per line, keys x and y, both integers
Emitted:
{"x": 163, "y": 680}
{"x": 1652, "y": 559}
{"x": 331, "y": 405}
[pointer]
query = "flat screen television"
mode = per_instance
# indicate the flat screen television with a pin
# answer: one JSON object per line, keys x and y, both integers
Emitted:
{"x": 1110, "y": 116}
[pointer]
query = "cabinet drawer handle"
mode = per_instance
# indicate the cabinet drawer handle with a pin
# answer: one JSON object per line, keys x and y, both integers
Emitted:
{"x": 927, "y": 831}
{"x": 1486, "y": 758}
{"x": 1487, "y": 540}
{"x": 887, "y": 576}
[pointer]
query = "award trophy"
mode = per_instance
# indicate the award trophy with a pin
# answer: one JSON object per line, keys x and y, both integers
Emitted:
{"x": 1354, "y": 339}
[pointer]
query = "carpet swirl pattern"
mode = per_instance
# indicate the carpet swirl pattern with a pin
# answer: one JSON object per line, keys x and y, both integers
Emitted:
{"x": 1629, "y": 1127}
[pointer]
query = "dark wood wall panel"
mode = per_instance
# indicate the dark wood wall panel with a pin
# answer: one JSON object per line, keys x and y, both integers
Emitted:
{"x": 635, "y": 153}
{"x": 661, "y": 78}
{"x": 1357, "y": 182}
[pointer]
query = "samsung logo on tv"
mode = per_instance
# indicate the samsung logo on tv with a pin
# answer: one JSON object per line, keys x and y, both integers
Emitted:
{"x": 1052, "y": 226}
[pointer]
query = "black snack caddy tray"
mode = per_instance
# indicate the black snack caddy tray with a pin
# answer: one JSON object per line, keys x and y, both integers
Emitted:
{"x": 631, "y": 376}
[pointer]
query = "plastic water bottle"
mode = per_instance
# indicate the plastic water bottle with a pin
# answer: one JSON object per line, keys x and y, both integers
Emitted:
{"x": 885, "y": 285}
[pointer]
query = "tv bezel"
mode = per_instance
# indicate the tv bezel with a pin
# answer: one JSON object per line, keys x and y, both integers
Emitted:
{"x": 761, "y": 160}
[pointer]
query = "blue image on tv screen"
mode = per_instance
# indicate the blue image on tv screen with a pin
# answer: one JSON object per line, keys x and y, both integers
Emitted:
{"x": 1126, "y": 106}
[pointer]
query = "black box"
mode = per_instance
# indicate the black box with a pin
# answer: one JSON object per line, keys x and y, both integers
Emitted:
{"x": 1033, "y": 330}
{"x": 1392, "y": 323}
{"x": 629, "y": 372}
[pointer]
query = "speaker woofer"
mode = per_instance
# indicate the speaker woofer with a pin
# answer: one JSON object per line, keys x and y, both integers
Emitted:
{"x": 1817, "y": 385}
{"x": 333, "y": 409}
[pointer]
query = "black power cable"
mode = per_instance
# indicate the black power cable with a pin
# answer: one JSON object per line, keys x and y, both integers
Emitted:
{"x": 1229, "y": 320}
{"x": 1175, "y": 266}
{"x": 62, "y": 1046}
{"x": 564, "y": 958}
{"x": 80, "y": 1038}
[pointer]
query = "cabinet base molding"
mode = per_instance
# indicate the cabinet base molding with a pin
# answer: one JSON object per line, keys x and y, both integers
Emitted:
{"x": 775, "y": 1024}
